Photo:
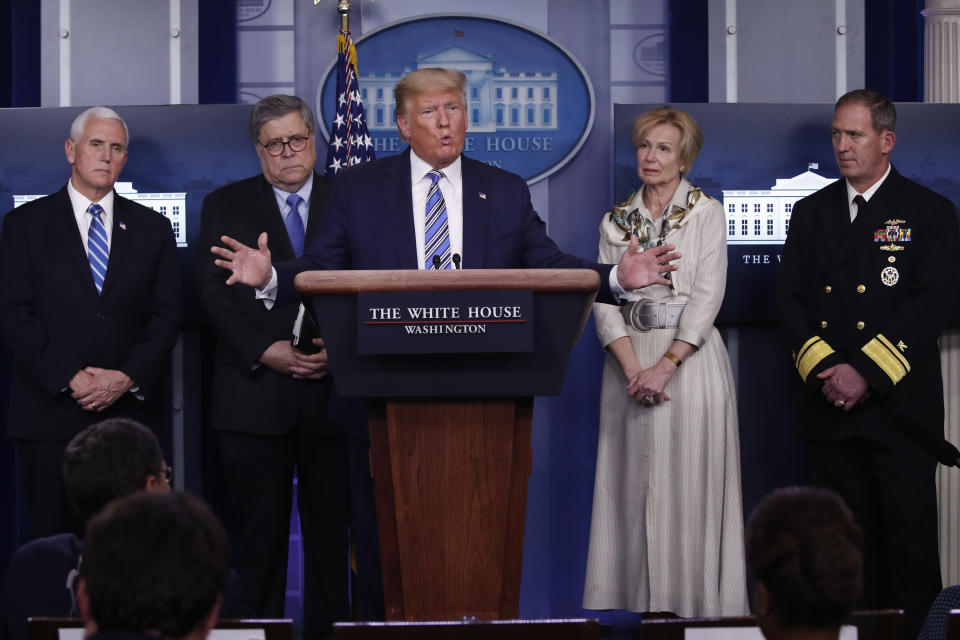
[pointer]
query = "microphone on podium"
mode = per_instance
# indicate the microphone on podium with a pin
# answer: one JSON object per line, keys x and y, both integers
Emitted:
{"x": 456, "y": 261}
{"x": 436, "y": 261}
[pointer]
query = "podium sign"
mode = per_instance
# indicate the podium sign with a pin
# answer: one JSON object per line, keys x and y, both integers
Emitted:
{"x": 393, "y": 322}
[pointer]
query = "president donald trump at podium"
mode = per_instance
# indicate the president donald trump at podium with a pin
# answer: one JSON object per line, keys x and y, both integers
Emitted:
{"x": 432, "y": 207}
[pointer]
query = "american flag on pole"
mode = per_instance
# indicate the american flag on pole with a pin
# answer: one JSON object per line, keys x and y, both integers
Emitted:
{"x": 350, "y": 141}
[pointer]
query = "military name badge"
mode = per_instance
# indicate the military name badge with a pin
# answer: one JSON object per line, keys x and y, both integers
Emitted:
{"x": 892, "y": 233}
{"x": 890, "y": 276}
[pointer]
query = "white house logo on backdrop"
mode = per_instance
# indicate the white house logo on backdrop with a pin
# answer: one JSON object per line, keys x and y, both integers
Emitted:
{"x": 763, "y": 216}
{"x": 650, "y": 54}
{"x": 499, "y": 100}
{"x": 172, "y": 205}
{"x": 530, "y": 105}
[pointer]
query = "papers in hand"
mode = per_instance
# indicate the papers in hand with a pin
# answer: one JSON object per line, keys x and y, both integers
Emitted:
{"x": 304, "y": 331}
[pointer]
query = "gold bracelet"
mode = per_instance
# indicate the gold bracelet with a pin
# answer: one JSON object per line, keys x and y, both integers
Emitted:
{"x": 672, "y": 357}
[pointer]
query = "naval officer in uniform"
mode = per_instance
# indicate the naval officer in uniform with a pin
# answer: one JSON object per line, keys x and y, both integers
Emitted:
{"x": 865, "y": 288}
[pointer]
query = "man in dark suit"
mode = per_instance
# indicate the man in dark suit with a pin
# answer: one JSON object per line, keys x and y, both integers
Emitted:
{"x": 385, "y": 214}
{"x": 89, "y": 306}
{"x": 269, "y": 400}
{"x": 866, "y": 286}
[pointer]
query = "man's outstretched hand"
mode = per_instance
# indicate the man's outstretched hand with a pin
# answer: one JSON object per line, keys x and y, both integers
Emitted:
{"x": 247, "y": 265}
{"x": 643, "y": 269}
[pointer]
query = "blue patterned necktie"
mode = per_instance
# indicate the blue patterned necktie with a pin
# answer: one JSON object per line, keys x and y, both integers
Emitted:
{"x": 98, "y": 251}
{"x": 294, "y": 224}
{"x": 436, "y": 235}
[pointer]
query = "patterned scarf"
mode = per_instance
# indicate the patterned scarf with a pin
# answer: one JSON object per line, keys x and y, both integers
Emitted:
{"x": 633, "y": 223}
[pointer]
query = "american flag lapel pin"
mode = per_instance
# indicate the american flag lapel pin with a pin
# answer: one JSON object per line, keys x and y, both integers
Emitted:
{"x": 123, "y": 226}
{"x": 483, "y": 196}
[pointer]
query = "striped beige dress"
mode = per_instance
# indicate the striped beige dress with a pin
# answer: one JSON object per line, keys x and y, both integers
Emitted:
{"x": 667, "y": 526}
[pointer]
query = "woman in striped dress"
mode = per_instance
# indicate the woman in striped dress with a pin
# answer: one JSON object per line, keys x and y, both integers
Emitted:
{"x": 667, "y": 527}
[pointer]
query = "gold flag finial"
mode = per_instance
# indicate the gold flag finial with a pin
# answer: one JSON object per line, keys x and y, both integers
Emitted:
{"x": 343, "y": 7}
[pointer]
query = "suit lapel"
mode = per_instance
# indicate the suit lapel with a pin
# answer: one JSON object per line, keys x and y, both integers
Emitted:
{"x": 120, "y": 244}
{"x": 65, "y": 240}
{"x": 834, "y": 223}
{"x": 398, "y": 205}
{"x": 882, "y": 205}
{"x": 476, "y": 214}
{"x": 270, "y": 219}
{"x": 318, "y": 195}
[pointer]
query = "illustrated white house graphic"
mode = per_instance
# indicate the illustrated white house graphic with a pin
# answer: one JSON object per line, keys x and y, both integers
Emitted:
{"x": 763, "y": 217}
{"x": 498, "y": 100}
{"x": 171, "y": 205}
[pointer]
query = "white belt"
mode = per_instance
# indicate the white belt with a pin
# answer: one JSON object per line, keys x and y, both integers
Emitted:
{"x": 646, "y": 314}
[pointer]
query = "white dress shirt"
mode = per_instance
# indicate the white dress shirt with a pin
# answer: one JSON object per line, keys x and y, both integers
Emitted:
{"x": 81, "y": 204}
{"x": 852, "y": 193}
{"x": 451, "y": 186}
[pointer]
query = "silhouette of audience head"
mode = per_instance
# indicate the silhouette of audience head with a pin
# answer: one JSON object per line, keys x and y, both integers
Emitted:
{"x": 153, "y": 563}
{"x": 111, "y": 459}
{"x": 804, "y": 550}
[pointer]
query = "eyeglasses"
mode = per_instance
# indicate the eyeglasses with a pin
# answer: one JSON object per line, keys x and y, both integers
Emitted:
{"x": 167, "y": 474}
{"x": 275, "y": 147}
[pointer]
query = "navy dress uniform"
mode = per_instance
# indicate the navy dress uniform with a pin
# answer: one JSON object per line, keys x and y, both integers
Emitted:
{"x": 875, "y": 293}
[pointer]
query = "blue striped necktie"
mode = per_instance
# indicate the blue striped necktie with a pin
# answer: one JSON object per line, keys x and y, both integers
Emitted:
{"x": 436, "y": 235}
{"x": 98, "y": 251}
{"x": 294, "y": 224}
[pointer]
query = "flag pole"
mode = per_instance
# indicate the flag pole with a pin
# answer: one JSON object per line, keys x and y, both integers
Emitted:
{"x": 350, "y": 141}
{"x": 343, "y": 6}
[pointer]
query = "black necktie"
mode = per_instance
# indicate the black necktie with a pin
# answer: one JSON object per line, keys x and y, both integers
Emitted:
{"x": 861, "y": 206}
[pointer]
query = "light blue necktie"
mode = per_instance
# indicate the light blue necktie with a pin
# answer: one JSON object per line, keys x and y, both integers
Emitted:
{"x": 98, "y": 251}
{"x": 436, "y": 233}
{"x": 294, "y": 224}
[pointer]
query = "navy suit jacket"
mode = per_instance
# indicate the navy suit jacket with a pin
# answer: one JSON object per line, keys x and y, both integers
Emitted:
{"x": 55, "y": 323}
{"x": 369, "y": 225}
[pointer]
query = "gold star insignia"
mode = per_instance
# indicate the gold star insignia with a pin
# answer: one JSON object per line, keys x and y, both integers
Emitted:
{"x": 901, "y": 346}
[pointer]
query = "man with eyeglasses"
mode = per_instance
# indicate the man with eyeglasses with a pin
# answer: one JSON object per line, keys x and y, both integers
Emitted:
{"x": 269, "y": 398}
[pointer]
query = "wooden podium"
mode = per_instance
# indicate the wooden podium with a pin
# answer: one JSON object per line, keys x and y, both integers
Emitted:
{"x": 450, "y": 430}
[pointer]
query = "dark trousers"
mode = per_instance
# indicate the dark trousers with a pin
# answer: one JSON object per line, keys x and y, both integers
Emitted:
{"x": 367, "y": 580}
{"x": 49, "y": 511}
{"x": 259, "y": 472}
{"x": 890, "y": 488}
